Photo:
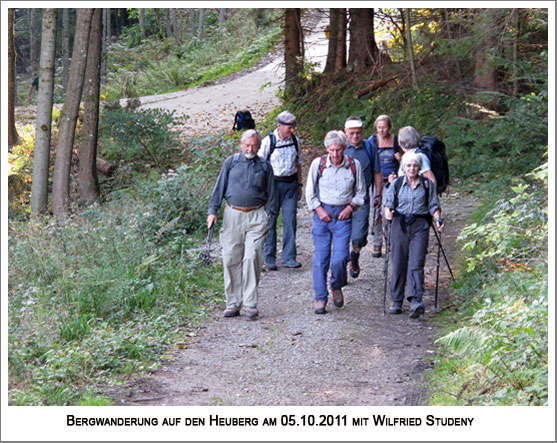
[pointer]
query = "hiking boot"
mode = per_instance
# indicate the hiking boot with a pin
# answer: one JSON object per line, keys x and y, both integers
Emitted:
{"x": 417, "y": 308}
{"x": 354, "y": 265}
{"x": 338, "y": 298}
{"x": 231, "y": 312}
{"x": 376, "y": 251}
{"x": 270, "y": 265}
{"x": 320, "y": 306}
{"x": 252, "y": 313}
{"x": 396, "y": 308}
{"x": 291, "y": 264}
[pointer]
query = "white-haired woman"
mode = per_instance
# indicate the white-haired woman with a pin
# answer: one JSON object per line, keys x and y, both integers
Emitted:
{"x": 411, "y": 203}
{"x": 408, "y": 139}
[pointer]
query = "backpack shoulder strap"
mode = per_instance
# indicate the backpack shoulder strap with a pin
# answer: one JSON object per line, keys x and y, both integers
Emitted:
{"x": 273, "y": 143}
{"x": 425, "y": 182}
{"x": 295, "y": 141}
{"x": 397, "y": 184}
{"x": 396, "y": 146}
{"x": 369, "y": 149}
{"x": 352, "y": 165}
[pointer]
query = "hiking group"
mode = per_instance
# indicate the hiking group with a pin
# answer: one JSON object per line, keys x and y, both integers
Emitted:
{"x": 389, "y": 182}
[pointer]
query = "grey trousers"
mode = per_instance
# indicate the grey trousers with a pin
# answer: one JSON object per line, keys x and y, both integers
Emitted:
{"x": 408, "y": 252}
{"x": 378, "y": 223}
{"x": 242, "y": 238}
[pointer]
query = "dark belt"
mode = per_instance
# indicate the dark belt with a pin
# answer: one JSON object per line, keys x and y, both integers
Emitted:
{"x": 237, "y": 208}
{"x": 286, "y": 178}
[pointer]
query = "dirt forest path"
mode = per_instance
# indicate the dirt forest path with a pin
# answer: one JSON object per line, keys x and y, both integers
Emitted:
{"x": 355, "y": 355}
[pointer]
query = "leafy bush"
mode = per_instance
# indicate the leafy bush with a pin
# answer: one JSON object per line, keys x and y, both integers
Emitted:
{"x": 500, "y": 357}
{"x": 139, "y": 135}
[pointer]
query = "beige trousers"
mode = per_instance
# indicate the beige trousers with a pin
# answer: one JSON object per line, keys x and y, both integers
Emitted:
{"x": 242, "y": 237}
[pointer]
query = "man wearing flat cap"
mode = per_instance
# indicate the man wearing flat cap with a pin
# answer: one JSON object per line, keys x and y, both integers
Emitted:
{"x": 282, "y": 148}
{"x": 368, "y": 157}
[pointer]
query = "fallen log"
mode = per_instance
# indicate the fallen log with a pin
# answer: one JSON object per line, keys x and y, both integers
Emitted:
{"x": 373, "y": 86}
{"x": 104, "y": 167}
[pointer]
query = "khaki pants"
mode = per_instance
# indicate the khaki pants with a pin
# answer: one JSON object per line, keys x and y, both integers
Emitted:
{"x": 242, "y": 238}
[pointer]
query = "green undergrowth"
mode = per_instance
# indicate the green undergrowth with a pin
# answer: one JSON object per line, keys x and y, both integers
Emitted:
{"x": 106, "y": 294}
{"x": 496, "y": 348}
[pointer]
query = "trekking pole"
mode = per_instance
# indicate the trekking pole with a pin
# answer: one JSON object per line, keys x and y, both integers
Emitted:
{"x": 443, "y": 251}
{"x": 437, "y": 274}
{"x": 387, "y": 235}
{"x": 205, "y": 255}
{"x": 373, "y": 223}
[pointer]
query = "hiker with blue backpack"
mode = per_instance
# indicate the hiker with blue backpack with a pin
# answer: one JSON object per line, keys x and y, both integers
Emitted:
{"x": 335, "y": 191}
{"x": 282, "y": 148}
{"x": 362, "y": 151}
{"x": 411, "y": 204}
{"x": 386, "y": 144}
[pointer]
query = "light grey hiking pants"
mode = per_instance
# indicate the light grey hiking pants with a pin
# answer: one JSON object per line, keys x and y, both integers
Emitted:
{"x": 242, "y": 237}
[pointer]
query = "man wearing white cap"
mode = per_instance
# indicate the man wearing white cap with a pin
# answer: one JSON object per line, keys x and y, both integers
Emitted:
{"x": 282, "y": 148}
{"x": 368, "y": 157}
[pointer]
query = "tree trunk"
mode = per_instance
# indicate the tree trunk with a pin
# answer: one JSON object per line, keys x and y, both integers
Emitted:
{"x": 65, "y": 46}
{"x": 516, "y": 36}
{"x": 12, "y": 131}
{"x": 333, "y": 35}
{"x": 142, "y": 24}
{"x": 340, "y": 61}
{"x": 410, "y": 49}
{"x": 485, "y": 69}
{"x": 68, "y": 116}
{"x": 222, "y": 15}
{"x": 104, "y": 50}
{"x": 363, "y": 49}
{"x": 41, "y": 156}
{"x": 450, "y": 36}
{"x": 293, "y": 58}
{"x": 200, "y": 24}
{"x": 88, "y": 179}
{"x": 175, "y": 30}
{"x": 35, "y": 42}
{"x": 192, "y": 22}
{"x": 108, "y": 26}
{"x": 167, "y": 22}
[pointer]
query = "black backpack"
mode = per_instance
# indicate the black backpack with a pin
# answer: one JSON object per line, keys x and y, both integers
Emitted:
{"x": 243, "y": 120}
{"x": 437, "y": 154}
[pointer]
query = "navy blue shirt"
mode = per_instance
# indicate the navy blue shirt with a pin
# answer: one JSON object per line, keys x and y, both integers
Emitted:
{"x": 369, "y": 165}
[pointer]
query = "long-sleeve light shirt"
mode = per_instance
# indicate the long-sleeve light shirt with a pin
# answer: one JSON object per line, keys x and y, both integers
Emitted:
{"x": 285, "y": 158}
{"x": 337, "y": 186}
{"x": 244, "y": 183}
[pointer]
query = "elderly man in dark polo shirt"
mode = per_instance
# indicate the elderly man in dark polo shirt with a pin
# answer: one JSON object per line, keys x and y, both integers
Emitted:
{"x": 246, "y": 183}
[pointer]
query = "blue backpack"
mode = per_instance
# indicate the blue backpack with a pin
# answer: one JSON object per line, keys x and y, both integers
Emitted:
{"x": 243, "y": 120}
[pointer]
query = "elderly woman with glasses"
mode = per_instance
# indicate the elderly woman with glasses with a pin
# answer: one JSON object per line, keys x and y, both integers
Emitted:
{"x": 411, "y": 203}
